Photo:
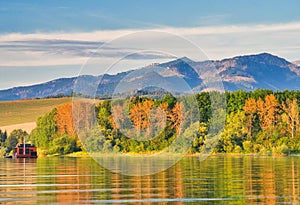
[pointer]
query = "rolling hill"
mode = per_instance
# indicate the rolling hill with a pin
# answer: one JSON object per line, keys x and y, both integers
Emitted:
{"x": 22, "y": 114}
{"x": 23, "y": 111}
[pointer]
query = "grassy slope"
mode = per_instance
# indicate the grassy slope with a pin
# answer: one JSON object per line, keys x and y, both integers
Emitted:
{"x": 22, "y": 111}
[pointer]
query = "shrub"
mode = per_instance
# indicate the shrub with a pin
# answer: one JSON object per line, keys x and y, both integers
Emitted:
{"x": 247, "y": 145}
{"x": 237, "y": 149}
{"x": 63, "y": 145}
{"x": 282, "y": 149}
{"x": 257, "y": 148}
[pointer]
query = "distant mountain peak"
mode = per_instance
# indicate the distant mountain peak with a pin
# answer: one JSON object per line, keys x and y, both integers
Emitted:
{"x": 263, "y": 70}
{"x": 182, "y": 66}
{"x": 186, "y": 59}
{"x": 182, "y": 60}
{"x": 264, "y": 58}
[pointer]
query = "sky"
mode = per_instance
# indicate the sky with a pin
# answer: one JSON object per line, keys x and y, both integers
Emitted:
{"x": 43, "y": 40}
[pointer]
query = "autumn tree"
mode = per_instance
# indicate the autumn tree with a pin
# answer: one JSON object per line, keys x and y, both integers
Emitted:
{"x": 140, "y": 114}
{"x": 250, "y": 109}
{"x": 55, "y": 132}
{"x": 268, "y": 111}
{"x": 291, "y": 115}
{"x": 176, "y": 116}
{"x": 64, "y": 120}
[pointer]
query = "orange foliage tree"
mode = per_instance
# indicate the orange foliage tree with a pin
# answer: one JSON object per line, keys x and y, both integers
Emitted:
{"x": 140, "y": 114}
{"x": 267, "y": 111}
{"x": 64, "y": 120}
{"x": 177, "y": 116}
{"x": 250, "y": 109}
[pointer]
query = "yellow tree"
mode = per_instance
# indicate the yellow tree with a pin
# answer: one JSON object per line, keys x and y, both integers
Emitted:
{"x": 268, "y": 111}
{"x": 271, "y": 106}
{"x": 261, "y": 112}
{"x": 250, "y": 109}
{"x": 291, "y": 115}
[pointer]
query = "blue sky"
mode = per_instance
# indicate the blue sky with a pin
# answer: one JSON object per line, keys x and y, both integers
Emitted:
{"x": 69, "y": 15}
{"x": 42, "y": 40}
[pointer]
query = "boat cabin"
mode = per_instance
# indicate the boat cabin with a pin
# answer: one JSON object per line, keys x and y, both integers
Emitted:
{"x": 25, "y": 151}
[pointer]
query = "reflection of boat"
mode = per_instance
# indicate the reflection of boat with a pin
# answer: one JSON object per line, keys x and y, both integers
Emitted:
{"x": 25, "y": 151}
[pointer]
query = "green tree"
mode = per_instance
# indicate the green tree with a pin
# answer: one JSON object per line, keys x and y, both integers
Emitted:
{"x": 3, "y": 137}
{"x": 104, "y": 114}
{"x": 170, "y": 100}
{"x": 234, "y": 132}
{"x": 11, "y": 143}
{"x": 45, "y": 131}
{"x": 204, "y": 106}
{"x": 235, "y": 100}
{"x": 20, "y": 135}
{"x": 63, "y": 145}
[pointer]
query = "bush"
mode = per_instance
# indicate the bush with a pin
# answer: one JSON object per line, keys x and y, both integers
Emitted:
{"x": 63, "y": 145}
{"x": 257, "y": 148}
{"x": 282, "y": 149}
{"x": 237, "y": 149}
{"x": 247, "y": 145}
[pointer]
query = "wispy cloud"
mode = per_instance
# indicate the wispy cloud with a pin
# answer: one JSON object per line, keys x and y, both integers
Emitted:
{"x": 217, "y": 42}
{"x": 42, "y": 52}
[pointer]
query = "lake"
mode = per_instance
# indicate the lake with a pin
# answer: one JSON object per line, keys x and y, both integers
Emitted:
{"x": 218, "y": 179}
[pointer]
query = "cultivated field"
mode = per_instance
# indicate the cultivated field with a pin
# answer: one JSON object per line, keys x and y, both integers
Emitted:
{"x": 24, "y": 113}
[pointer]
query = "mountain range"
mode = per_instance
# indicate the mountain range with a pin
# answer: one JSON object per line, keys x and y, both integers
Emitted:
{"x": 249, "y": 72}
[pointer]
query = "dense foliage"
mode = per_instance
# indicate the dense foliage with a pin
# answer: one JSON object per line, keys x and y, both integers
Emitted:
{"x": 55, "y": 133}
{"x": 261, "y": 121}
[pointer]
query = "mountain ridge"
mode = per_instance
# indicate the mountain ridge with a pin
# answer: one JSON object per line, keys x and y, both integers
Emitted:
{"x": 247, "y": 72}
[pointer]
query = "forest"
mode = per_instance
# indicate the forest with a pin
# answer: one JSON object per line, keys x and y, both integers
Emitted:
{"x": 260, "y": 121}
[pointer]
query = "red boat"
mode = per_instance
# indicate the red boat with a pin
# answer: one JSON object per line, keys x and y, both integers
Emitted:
{"x": 25, "y": 151}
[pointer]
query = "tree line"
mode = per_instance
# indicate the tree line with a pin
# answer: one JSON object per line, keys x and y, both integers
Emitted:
{"x": 260, "y": 121}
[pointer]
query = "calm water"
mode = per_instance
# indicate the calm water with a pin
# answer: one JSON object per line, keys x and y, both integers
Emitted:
{"x": 217, "y": 180}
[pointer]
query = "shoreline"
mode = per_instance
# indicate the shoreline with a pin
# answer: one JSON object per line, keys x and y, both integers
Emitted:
{"x": 85, "y": 154}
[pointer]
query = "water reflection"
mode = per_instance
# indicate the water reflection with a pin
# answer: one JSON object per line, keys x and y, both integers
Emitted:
{"x": 230, "y": 179}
